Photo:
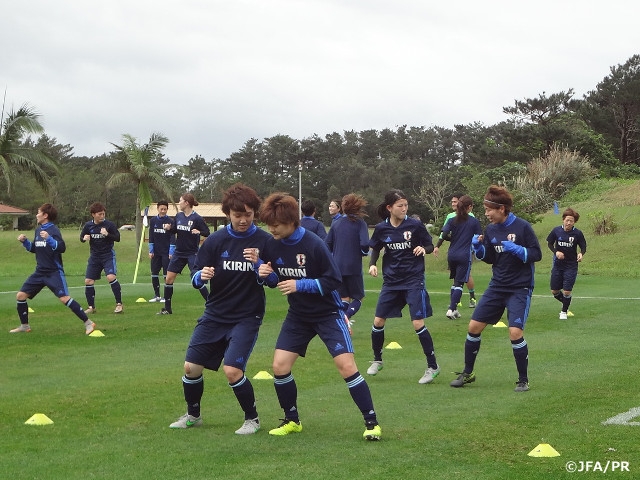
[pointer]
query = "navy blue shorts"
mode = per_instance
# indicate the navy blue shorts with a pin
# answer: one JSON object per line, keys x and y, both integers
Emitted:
{"x": 563, "y": 278}
{"x": 159, "y": 262}
{"x": 55, "y": 281}
{"x": 391, "y": 303}
{"x": 352, "y": 286}
{"x": 295, "y": 335}
{"x": 177, "y": 264}
{"x": 212, "y": 342}
{"x": 493, "y": 303}
{"x": 460, "y": 271}
{"x": 96, "y": 265}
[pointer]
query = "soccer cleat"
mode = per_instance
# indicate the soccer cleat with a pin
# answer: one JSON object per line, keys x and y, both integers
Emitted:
{"x": 164, "y": 311}
{"x": 23, "y": 328}
{"x": 155, "y": 299}
{"x": 375, "y": 367}
{"x": 472, "y": 303}
{"x": 429, "y": 375}
{"x": 249, "y": 427}
{"x": 453, "y": 314}
{"x": 569, "y": 313}
{"x": 521, "y": 386}
{"x": 463, "y": 378}
{"x": 372, "y": 432}
{"x": 90, "y": 310}
{"x": 563, "y": 315}
{"x": 286, "y": 427}
{"x": 187, "y": 421}
{"x": 118, "y": 308}
{"x": 89, "y": 327}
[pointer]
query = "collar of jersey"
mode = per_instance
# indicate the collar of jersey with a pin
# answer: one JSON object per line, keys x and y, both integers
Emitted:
{"x": 294, "y": 237}
{"x": 509, "y": 220}
{"x": 252, "y": 229}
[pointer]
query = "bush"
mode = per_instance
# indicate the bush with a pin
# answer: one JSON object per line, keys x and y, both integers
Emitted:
{"x": 602, "y": 223}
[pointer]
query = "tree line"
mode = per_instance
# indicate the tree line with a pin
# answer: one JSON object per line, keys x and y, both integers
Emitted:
{"x": 545, "y": 146}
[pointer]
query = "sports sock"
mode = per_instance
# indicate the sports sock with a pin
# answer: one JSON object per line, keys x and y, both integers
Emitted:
{"x": 377, "y": 342}
{"x": 521, "y": 355}
{"x": 155, "y": 282}
{"x": 168, "y": 293}
{"x": 456, "y": 295}
{"x": 361, "y": 395}
{"x": 193, "y": 390}
{"x": 117, "y": 290}
{"x": 77, "y": 309}
{"x": 566, "y": 301}
{"x": 90, "y": 295}
{"x": 287, "y": 392}
{"x": 558, "y": 296}
{"x": 427, "y": 346}
{"x": 23, "y": 311}
{"x": 243, "y": 391}
{"x": 471, "y": 349}
{"x": 472, "y": 293}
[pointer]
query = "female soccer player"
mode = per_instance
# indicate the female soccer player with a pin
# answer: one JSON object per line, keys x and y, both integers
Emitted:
{"x": 406, "y": 242}
{"x": 348, "y": 241}
{"x": 298, "y": 263}
{"x": 564, "y": 241}
{"x": 189, "y": 227}
{"x": 510, "y": 245}
{"x": 228, "y": 328}
{"x": 459, "y": 230}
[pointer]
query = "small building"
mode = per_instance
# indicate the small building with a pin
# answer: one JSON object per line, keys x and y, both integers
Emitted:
{"x": 14, "y": 212}
{"x": 211, "y": 212}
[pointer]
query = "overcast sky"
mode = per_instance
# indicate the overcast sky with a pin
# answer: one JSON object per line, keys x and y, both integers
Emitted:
{"x": 211, "y": 74}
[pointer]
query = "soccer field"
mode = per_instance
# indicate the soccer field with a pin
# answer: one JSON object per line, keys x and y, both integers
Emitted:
{"x": 112, "y": 398}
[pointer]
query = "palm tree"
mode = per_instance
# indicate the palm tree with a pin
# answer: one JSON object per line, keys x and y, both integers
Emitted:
{"x": 138, "y": 164}
{"x": 15, "y": 157}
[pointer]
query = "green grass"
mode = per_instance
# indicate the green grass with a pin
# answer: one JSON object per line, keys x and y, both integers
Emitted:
{"x": 112, "y": 398}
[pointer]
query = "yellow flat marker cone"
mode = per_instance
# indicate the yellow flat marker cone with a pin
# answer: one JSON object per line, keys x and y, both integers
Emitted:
{"x": 500, "y": 324}
{"x": 393, "y": 346}
{"x": 31, "y": 310}
{"x": 141, "y": 300}
{"x": 39, "y": 419}
{"x": 544, "y": 450}
{"x": 262, "y": 375}
{"x": 96, "y": 333}
{"x": 569, "y": 313}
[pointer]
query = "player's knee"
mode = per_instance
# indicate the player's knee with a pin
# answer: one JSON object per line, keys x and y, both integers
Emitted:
{"x": 88, "y": 282}
{"x": 21, "y": 296}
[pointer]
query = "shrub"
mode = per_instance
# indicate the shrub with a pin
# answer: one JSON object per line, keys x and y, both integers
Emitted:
{"x": 603, "y": 223}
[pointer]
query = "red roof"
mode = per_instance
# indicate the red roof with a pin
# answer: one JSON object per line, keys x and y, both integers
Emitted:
{"x": 9, "y": 210}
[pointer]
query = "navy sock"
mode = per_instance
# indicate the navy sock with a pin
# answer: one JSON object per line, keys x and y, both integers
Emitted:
{"x": 377, "y": 342}
{"x": 427, "y": 346}
{"x": 558, "y": 296}
{"x": 90, "y": 295}
{"x": 521, "y": 355}
{"x": 246, "y": 397}
{"x": 168, "y": 293}
{"x": 472, "y": 293}
{"x": 155, "y": 282}
{"x": 471, "y": 349}
{"x": 23, "y": 311}
{"x": 193, "y": 390}
{"x": 287, "y": 392}
{"x": 117, "y": 290}
{"x": 77, "y": 309}
{"x": 566, "y": 301}
{"x": 361, "y": 395}
{"x": 456, "y": 295}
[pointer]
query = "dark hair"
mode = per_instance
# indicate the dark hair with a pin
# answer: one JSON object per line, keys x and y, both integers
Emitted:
{"x": 238, "y": 197}
{"x": 456, "y": 195}
{"x": 353, "y": 206}
{"x": 190, "y": 199}
{"x": 162, "y": 202}
{"x": 337, "y": 202}
{"x": 570, "y": 212}
{"x": 308, "y": 208}
{"x": 50, "y": 210}
{"x": 280, "y": 208}
{"x": 97, "y": 207}
{"x": 464, "y": 202}
{"x": 497, "y": 197}
{"x": 391, "y": 197}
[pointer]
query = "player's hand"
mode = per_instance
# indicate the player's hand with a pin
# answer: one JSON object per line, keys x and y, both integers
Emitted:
{"x": 419, "y": 250}
{"x": 560, "y": 256}
{"x": 435, "y": 251}
{"x": 166, "y": 226}
{"x": 44, "y": 234}
{"x": 207, "y": 273}
{"x": 87, "y": 237}
{"x": 22, "y": 238}
{"x": 579, "y": 257}
{"x": 287, "y": 287}
{"x": 265, "y": 270}
{"x": 150, "y": 255}
{"x": 373, "y": 271}
{"x": 477, "y": 240}
{"x": 195, "y": 231}
{"x": 251, "y": 254}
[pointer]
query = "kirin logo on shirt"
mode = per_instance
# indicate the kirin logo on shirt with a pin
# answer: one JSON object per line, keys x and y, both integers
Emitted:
{"x": 301, "y": 259}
